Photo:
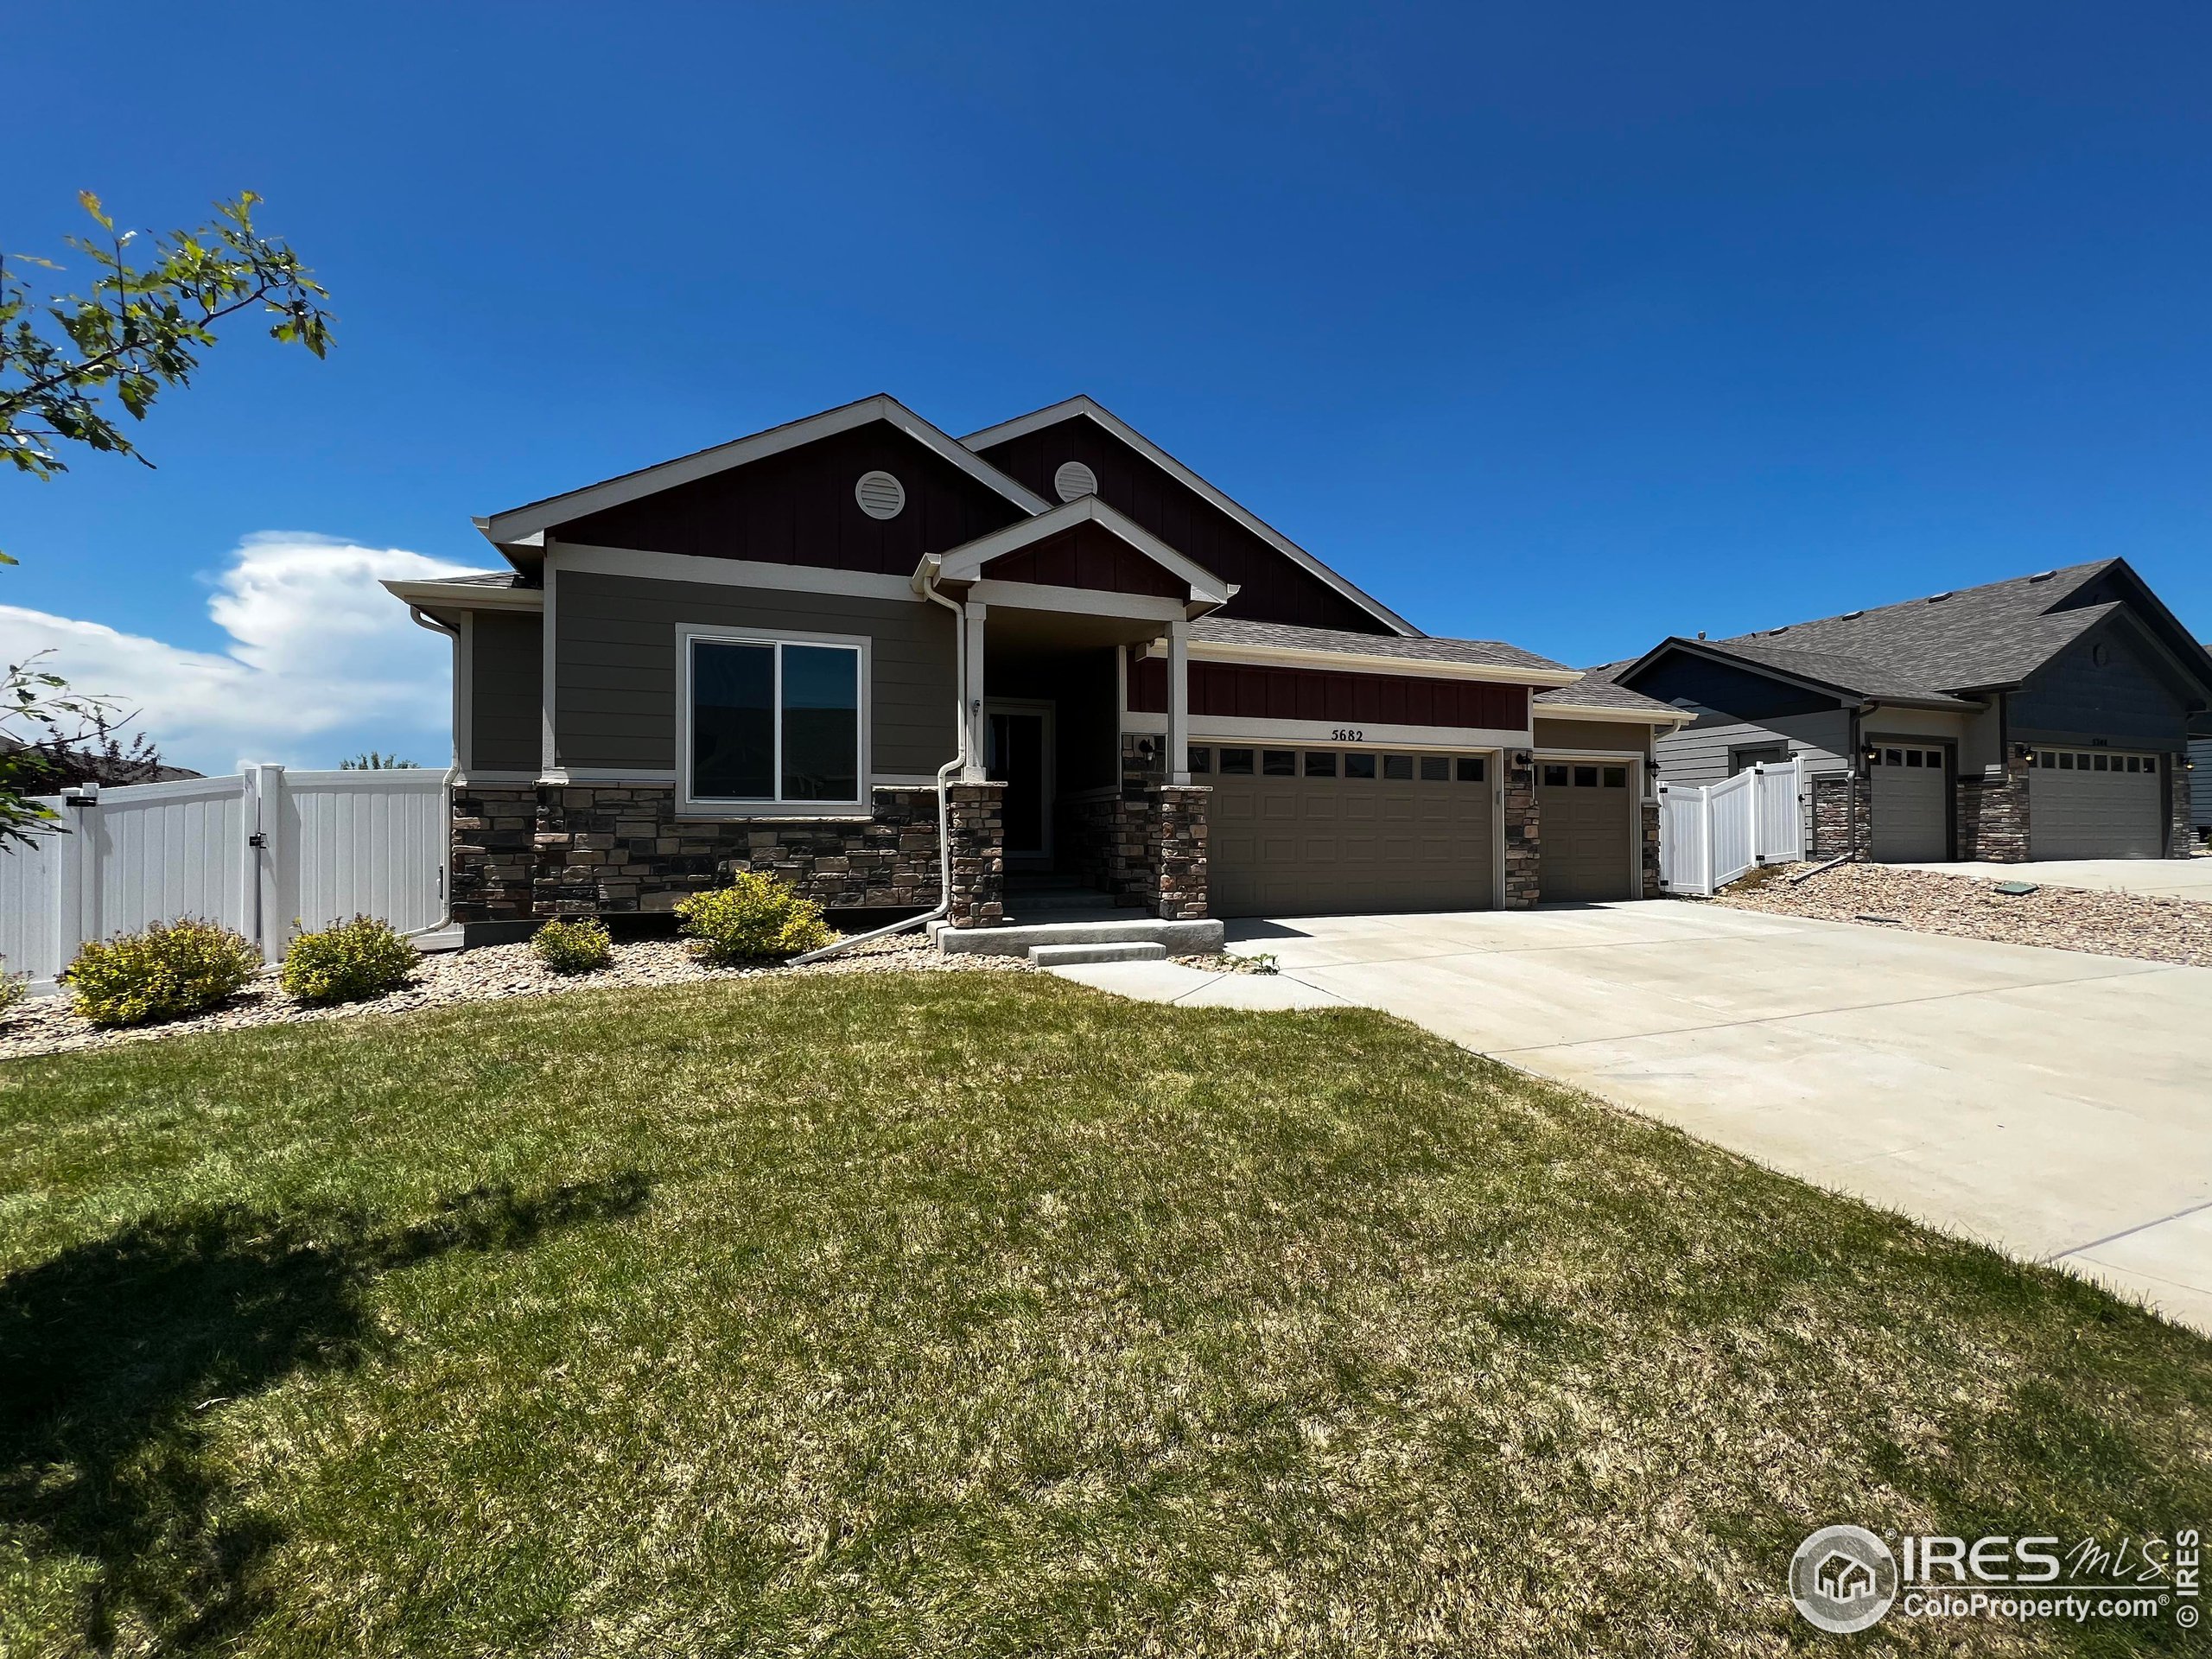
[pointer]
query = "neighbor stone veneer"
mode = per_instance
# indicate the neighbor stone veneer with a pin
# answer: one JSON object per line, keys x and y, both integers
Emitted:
{"x": 1839, "y": 822}
{"x": 1992, "y": 815}
{"x": 2181, "y": 829}
{"x": 1649, "y": 845}
{"x": 1523, "y": 834}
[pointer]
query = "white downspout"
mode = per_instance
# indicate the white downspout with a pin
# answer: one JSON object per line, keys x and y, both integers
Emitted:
{"x": 423, "y": 619}
{"x": 925, "y": 584}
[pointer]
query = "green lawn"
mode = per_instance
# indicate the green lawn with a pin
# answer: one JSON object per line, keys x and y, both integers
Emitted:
{"x": 891, "y": 1314}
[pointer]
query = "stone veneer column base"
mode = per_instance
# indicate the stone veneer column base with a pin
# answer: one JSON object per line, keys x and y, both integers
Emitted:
{"x": 1993, "y": 815}
{"x": 1523, "y": 829}
{"x": 1176, "y": 876}
{"x": 2181, "y": 828}
{"x": 1648, "y": 845}
{"x": 1839, "y": 816}
{"x": 978, "y": 819}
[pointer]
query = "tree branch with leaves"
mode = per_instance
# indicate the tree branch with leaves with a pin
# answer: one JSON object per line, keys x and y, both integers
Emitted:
{"x": 141, "y": 329}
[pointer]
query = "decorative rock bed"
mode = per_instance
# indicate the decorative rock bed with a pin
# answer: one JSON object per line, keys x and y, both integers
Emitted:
{"x": 48, "y": 1025}
{"x": 1926, "y": 901}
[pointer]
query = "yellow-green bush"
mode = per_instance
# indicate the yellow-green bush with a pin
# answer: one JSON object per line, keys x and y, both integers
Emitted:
{"x": 347, "y": 961}
{"x": 163, "y": 972}
{"x": 754, "y": 919}
{"x": 577, "y": 945}
{"x": 13, "y": 987}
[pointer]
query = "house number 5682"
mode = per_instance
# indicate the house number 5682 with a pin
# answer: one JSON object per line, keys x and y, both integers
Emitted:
{"x": 1348, "y": 734}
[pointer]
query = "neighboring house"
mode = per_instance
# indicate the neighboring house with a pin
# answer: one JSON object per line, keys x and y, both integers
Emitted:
{"x": 2048, "y": 716}
{"x": 2200, "y": 781}
{"x": 761, "y": 654}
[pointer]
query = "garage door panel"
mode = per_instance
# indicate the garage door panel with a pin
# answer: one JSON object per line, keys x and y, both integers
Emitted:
{"x": 2091, "y": 804}
{"x": 1910, "y": 785}
{"x": 1334, "y": 843}
{"x": 1585, "y": 817}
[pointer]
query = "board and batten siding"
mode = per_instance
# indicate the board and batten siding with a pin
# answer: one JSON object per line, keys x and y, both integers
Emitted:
{"x": 2200, "y": 783}
{"x": 507, "y": 682}
{"x": 615, "y": 671}
{"x": 1698, "y": 754}
{"x": 2124, "y": 702}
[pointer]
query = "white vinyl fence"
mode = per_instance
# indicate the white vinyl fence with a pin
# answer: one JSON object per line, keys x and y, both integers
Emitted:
{"x": 258, "y": 852}
{"x": 1712, "y": 834}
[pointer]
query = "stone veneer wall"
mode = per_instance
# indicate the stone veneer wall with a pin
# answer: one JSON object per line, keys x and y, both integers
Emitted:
{"x": 1176, "y": 821}
{"x": 1992, "y": 815}
{"x": 525, "y": 850}
{"x": 1838, "y": 797}
{"x": 1649, "y": 845}
{"x": 2181, "y": 829}
{"x": 1523, "y": 829}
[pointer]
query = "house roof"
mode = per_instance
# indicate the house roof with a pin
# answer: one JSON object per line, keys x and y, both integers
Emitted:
{"x": 966, "y": 562}
{"x": 1338, "y": 642}
{"x": 1928, "y": 649}
{"x": 1597, "y": 689}
{"x": 1090, "y": 409}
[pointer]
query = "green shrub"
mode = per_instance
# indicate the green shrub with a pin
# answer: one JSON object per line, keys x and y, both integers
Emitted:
{"x": 580, "y": 945}
{"x": 13, "y": 987}
{"x": 347, "y": 961}
{"x": 754, "y": 918}
{"x": 170, "y": 970}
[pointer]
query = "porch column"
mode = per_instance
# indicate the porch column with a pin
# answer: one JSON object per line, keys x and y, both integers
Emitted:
{"x": 1178, "y": 703}
{"x": 971, "y": 698}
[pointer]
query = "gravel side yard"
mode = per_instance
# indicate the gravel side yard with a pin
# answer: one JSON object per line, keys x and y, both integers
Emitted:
{"x": 47, "y": 1026}
{"x": 2064, "y": 919}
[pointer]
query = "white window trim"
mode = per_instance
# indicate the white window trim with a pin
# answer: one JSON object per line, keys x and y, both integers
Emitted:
{"x": 690, "y": 805}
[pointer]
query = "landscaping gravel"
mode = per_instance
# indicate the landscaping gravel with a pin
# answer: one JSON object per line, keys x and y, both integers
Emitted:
{"x": 1926, "y": 901}
{"x": 48, "y": 1025}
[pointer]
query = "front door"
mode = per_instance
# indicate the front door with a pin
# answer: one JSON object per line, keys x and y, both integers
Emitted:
{"x": 1021, "y": 755}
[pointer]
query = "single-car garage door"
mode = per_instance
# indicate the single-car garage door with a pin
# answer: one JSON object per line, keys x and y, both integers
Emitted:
{"x": 1585, "y": 815}
{"x": 2093, "y": 803}
{"x": 1308, "y": 832}
{"x": 1912, "y": 803}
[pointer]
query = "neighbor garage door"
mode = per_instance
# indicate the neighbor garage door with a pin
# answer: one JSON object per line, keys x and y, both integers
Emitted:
{"x": 2093, "y": 803}
{"x": 1585, "y": 811}
{"x": 1913, "y": 802}
{"x": 1304, "y": 832}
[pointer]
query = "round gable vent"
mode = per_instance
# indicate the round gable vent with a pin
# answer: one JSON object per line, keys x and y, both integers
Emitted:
{"x": 880, "y": 495}
{"x": 1074, "y": 480}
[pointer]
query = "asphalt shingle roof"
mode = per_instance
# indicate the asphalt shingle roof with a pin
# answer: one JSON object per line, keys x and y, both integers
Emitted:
{"x": 1493, "y": 654}
{"x": 1598, "y": 689}
{"x": 1996, "y": 634}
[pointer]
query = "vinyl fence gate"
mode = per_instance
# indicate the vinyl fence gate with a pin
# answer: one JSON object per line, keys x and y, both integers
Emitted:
{"x": 258, "y": 852}
{"x": 1713, "y": 834}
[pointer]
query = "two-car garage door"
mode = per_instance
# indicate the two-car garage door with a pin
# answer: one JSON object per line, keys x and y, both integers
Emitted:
{"x": 2093, "y": 803}
{"x": 1304, "y": 832}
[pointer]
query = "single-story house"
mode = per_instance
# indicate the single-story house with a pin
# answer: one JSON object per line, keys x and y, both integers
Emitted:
{"x": 2046, "y": 717}
{"x": 772, "y": 654}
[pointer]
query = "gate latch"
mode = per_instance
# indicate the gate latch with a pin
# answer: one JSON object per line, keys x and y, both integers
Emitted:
{"x": 256, "y": 839}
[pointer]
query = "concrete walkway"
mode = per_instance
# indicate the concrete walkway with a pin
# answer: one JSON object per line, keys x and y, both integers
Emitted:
{"x": 2168, "y": 878}
{"x": 2057, "y": 1105}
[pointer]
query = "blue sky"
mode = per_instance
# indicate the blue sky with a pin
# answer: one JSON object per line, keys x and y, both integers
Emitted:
{"x": 1574, "y": 325}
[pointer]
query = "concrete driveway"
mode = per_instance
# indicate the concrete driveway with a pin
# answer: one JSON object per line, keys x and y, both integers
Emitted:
{"x": 2168, "y": 878}
{"x": 2057, "y": 1105}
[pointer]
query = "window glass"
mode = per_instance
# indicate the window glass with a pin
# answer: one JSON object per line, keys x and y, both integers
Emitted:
{"x": 1320, "y": 764}
{"x": 2098, "y": 761}
{"x": 1585, "y": 777}
{"x": 1616, "y": 777}
{"x": 2135, "y": 763}
{"x": 1912, "y": 757}
{"x": 1280, "y": 763}
{"x": 1359, "y": 765}
{"x": 733, "y": 721}
{"x": 1435, "y": 769}
{"x": 1555, "y": 776}
{"x": 2065, "y": 761}
{"x": 821, "y": 723}
{"x": 1398, "y": 765}
{"x": 1201, "y": 760}
{"x": 1893, "y": 757}
{"x": 1470, "y": 768}
{"x": 1237, "y": 763}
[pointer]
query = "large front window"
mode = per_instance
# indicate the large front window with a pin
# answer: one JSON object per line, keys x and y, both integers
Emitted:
{"x": 774, "y": 722}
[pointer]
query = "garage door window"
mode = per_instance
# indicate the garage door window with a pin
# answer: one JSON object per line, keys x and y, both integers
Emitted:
{"x": 1469, "y": 769}
{"x": 1908, "y": 759}
{"x": 1280, "y": 763}
{"x": 1616, "y": 777}
{"x": 1320, "y": 765}
{"x": 2094, "y": 760}
{"x": 1201, "y": 760}
{"x": 1400, "y": 767}
{"x": 1554, "y": 777}
{"x": 1359, "y": 765}
{"x": 1237, "y": 763}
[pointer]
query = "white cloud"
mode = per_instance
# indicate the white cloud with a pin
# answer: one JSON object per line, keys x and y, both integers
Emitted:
{"x": 323, "y": 661}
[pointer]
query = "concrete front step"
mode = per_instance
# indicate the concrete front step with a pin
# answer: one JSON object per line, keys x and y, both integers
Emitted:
{"x": 1176, "y": 939}
{"x": 1073, "y": 955}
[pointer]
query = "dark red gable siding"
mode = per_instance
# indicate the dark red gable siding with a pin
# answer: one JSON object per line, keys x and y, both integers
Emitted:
{"x": 1088, "y": 555}
{"x": 798, "y": 508}
{"x": 1236, "y": 691}
{"x": 1275, "y": 589}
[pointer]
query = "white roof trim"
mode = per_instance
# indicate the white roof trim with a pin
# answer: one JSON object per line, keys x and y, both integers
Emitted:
{"x": 518, "y": 524}
{"x": 1548, "y": 710}
{"x": 1346, "y": 662}
{"x": 965, "y": 563}
{"x": 1022, "y": 425}
{"x": 468, "y": 596}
